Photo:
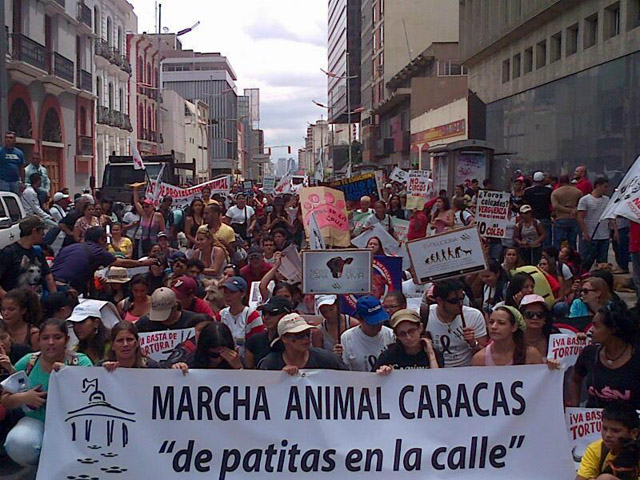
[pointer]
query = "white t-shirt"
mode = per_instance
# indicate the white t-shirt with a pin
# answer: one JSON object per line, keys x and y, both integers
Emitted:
{"x": 450, "y": 339}
{"x": 385, "y": 222}
{"x": 136, "y": 232}
{"x": 594, "y": 208}
{"x": 240, "y": 216}
{"x": 566, "y": 272}
{"x": 360, "y": 351}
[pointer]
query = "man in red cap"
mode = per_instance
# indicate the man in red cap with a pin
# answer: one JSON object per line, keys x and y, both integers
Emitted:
{"x": 185, "y": 289}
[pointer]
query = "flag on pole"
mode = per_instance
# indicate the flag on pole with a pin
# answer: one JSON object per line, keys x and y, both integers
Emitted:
{"x": 138, "y": 164}
{"x": 158, "y": 185}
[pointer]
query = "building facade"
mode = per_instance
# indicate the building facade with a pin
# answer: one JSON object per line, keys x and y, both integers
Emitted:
{"x": 344, "y": 60}
{"x": 208, "y": 77}
{"x": 112, "y": 19}
{"x": 559, "y": 80}
{"x": 50, "y": 89}
{"x": 393, "y": 34}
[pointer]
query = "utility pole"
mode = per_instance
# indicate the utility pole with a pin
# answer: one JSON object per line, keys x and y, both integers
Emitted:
{"x": 4, "y": 78}
{"x": 349, "y": 167}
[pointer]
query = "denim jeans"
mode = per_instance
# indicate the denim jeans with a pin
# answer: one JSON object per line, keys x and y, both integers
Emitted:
{"x": 621, "y": 249}
{"x": 10, "y": 187}
{"x": 635, "y": 262}
{"x": 593, "y": 251}
{"x": 547, "y": 226}
{"x": 565, "y": 229}
{"x": 24, "y": 441}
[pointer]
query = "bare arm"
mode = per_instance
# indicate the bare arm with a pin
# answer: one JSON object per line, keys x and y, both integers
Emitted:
{"x": 136, "y": 200}
{"x": 580, "y": 216}
{"x": 51, "y": 284}
{"x": 188, "y": 225}
{"x": 575, "y": 385}
{"x": 270, "y": 275}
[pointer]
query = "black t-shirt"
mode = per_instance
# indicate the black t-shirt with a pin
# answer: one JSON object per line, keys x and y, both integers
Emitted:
{"x": 539, "y": 197}
{"x": 318, "y": 359}
{"x": 187, "y": 320}
{"x": 70, "y": 222}
{"x": 22, "y": 267}
{"x": 605, "y": 385}
{"x": 396, "y": 357}
{"x": 260, "y": 346}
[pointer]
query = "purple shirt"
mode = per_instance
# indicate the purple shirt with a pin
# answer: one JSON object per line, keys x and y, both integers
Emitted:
{"x": 76, "y": 264}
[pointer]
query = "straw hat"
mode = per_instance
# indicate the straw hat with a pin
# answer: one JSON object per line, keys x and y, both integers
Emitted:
{"x": 117, "y": 275}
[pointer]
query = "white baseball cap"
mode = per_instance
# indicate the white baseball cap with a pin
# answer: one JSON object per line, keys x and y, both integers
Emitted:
{"x": 85, "y": 310}
{"x": 291, "y": 323}
{"x": 59, "y": 196}
{"x": 538, "y": 177}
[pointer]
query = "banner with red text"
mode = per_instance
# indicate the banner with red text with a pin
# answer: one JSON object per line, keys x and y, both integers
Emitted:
{"x": 492, "y": 213}
{"x": 330, "y": 210}
{"x": 498, "y": 423}
{"x": 182, "y": 197}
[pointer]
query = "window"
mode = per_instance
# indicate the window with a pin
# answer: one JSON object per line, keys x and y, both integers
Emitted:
{"x": 3, "y": 214}
{"x": 591, "y": 30}
{"x": 572, "y": 39}
{"x": 612, "y": 20}
{"x": 506, "y": 70}
{"x": 450, "y": 68}
{"x": 14, "y": 209}
{"x": 541, "y": 54}
{"x": 528, "y": 60}
{"x": 633, "y": 14}
{"x": 556, "y": 47}
{"x": 516, "y": 65}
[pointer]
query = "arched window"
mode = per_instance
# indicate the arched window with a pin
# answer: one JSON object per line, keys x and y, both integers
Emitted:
{"x": 99, "y": 90}
{"x": 111, "y": 99}
{"x": 83, "y": 122}
{"x": 52, "y": 132}
{"x": 109, "y": 33}
{"x": 148, "y": 79}
{"x": 20, "y": 120}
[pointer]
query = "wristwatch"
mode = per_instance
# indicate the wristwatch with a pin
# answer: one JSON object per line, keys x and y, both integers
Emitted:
{"x": 475, "y": 345}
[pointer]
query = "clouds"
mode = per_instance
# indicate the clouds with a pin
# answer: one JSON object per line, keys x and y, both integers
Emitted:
{"x": 278, "y": 46}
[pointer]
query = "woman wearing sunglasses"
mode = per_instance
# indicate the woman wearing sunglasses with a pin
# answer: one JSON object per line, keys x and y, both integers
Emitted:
{"x": 610, "y": 367}
{"x": 411, "y": 349}
{"x": 594, "y": 294}
{"x": 215, "y": 349}
{"x": 537, "y": 317}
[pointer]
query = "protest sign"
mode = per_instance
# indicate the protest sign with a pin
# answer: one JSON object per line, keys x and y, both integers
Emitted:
{"x": 625, "y": 200}
{"x": 357, "y": 186}
{"x": 379, "y": 182}
{"x": 583, "y": 426}
{"x": 290, "y": 265}
{"x": 168, "y": 346}
{"x": 255, "y": 297}
{"x": 387, "y": 277}
{"x": 247, "y": 185}
{"x": 565, "y": 348}
{"x": 336, "y": 272}
{"x": 390, "y": 245}
{"x": 504, "y": 424}
{"x": 492, "y": 213}
{"x": 285, "y": 184}
{"x": 182, "y": 197}
{"x": 400, "y": 228}
{"x": 399, "y": 175}
{"x": 316, "y": 241}
{"x": 450, "y": 254}
{"x": 418, "y": 189}
{"x": 573, "y": 325}
{"x": 269, "y": 184}
{"x": 331, "y": 214}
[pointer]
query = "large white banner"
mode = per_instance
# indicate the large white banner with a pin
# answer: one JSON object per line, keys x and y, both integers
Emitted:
{"x": 625, "y": 201}
{"x": 182, "y": 197}
{"x": 492, "y": 213}
{"x": 502, "y": 423}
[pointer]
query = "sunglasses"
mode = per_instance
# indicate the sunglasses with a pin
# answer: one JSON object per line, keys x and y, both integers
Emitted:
{"x": 455, "y": 301}
{"x": 410, "y": 332}
{"x": 299, "y": 336}
{"x": 584, "y": 291}
{"x": 532, "y": 315}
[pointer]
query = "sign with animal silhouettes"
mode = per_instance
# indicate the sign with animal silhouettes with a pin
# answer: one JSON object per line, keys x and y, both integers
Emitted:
{"x": 337, "y": 272}
{"x": 450, "y": 254}
{"x": 330, "y": 211}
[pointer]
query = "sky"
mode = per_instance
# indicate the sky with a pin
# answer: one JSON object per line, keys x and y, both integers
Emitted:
{"x": 278, "y": 46}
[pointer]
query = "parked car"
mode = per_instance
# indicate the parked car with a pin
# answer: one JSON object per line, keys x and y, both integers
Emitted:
{"x": 11, "y": 213}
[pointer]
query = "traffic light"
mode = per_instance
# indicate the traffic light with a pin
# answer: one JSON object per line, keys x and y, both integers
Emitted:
{"x": 289, "y": 149}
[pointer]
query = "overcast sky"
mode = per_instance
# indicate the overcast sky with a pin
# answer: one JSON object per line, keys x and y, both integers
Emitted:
{"x": 278, "y": 46}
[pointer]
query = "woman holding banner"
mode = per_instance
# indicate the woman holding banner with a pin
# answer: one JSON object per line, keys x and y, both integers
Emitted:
{"x": 215, "y": 349}
{"x": 125, "y": 349}
{"x": 610, "y": 368}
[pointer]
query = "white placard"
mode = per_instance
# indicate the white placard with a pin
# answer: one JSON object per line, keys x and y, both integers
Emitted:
{"x": 400, "y": 228}
{"x": 160, "y": 346}
{"x": 584, "y": 427}
{"x": 465, "y": 423}
{"x": 390, "y": 245}
{"x": 565, "y": 348}
{"x": 492, "y": 213}
{"x": 398, "y": 175}
{"x": 625, "y": 201}
{"x": 255, "y": 297}
{"x": 337, "y": 272}
{"x": 450, "y": 254}
{"x": 268, "y": 184}
{"x": 418, "y": 182}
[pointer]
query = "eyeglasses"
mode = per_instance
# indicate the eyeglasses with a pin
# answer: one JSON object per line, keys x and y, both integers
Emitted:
{"x": 455, "y": 301}
{"x": 299, "y": 336}
{"x": 584, "y": 291}
{"x": 408, "y": 333}
{"x": 532, "y": 315}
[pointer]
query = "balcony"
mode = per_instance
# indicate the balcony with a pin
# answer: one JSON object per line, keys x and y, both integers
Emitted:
{"x": 102, "y": 49}
{"x": 113, "y": 118}
{"x": 84, "y": 146}
{"x": 62, "y": 67}
{"x": 23, "y": 49}
{"x": 103, "y": 115}
{"x": 84, "y": 15}
{"x": 84, "y": 80}
{"x": 55, "y": 6}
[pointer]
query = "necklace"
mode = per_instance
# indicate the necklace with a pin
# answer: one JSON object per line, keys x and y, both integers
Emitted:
{"x": 610, "y": 361}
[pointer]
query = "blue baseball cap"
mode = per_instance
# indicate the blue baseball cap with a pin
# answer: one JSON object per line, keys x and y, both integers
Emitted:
{"x": 236, "y": 284}
{"x": 370, "y": 310}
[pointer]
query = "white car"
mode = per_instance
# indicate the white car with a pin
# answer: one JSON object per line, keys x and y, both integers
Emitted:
{"x": 11, "y": 213}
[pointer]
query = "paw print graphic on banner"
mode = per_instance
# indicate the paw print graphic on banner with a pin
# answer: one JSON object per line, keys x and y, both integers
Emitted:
{"x": 328, "y": 207}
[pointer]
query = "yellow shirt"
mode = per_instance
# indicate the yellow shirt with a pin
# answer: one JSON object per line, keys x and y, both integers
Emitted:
{"x": 590, "y": 463}
{"x": 125, "y": 245}
{"x": 225, "y": 233}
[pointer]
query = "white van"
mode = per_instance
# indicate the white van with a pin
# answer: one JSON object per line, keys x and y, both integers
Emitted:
{"x": 11, "y": 213}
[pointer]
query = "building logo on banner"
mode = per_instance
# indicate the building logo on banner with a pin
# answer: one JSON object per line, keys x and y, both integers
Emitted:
{"x": 100, "y": 430}
{"x": 387, "y": 277}
{"x": 492, "y": 213}
{"x": 451, "y": 254}
{"x": 336, "y": 272}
